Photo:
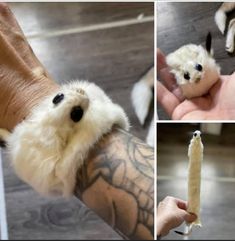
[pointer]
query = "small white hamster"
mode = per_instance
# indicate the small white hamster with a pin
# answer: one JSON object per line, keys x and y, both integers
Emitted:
{"x": 48, "y": 147}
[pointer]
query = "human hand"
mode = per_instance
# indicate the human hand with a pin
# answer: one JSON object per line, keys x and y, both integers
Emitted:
{"x": 171, "y": 213}
{"x": 23, "y": 80}
{"x": 217, "y": 104}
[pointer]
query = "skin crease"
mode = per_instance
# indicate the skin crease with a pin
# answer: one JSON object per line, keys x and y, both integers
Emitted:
{"x": 218, "y": 104}
{"x": 117, "y": 178}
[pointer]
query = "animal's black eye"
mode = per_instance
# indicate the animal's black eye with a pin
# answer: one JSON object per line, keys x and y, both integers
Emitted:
{"x": 58, "y": 98}
{"x": 198, "y": 67}
{"x": 187, "y": 76}
{"x": 76, "y": 113}
{"x": 195, "y": 134}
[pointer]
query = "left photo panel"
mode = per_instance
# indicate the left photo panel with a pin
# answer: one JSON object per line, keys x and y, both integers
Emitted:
{"x": 77, "y": 129}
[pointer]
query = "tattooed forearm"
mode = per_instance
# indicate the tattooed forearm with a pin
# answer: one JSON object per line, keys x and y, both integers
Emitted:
{"x": 117, "y": 182}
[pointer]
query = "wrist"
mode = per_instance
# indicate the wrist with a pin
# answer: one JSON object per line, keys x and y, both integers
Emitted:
{"x": 162, "y": 227}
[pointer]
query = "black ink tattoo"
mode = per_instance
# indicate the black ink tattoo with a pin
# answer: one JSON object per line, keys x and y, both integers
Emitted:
{"x": 123, "y": 166}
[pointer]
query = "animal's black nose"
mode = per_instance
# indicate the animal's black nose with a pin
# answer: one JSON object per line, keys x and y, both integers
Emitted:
{"x": 76, "y": 113}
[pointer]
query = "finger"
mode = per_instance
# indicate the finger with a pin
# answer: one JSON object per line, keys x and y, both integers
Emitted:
{"x": 16, "y": 39}
{"x": 2, "y": 5}
{"x": 4, "y": 8}
{"x": 181, "y": 203}
{"x": 161, "y": 60}
{"x": 6, "y": 16}
{"x": 170, "y": 83}
{"x": 168, "y": 78}
{"x": 188, "y": 217}
{"x": 163, "y": 71}
{"x": 165, "y": 75}
{"x": 167, "y": 99}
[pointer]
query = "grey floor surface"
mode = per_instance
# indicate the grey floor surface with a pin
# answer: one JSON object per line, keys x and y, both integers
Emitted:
{"x": 112, "y": 57}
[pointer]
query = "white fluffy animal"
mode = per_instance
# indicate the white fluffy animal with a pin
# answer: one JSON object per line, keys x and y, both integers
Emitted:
{"x": 194, "y": 68}
{"x": 221, "y": 18}
{"x": 49, "y": 146}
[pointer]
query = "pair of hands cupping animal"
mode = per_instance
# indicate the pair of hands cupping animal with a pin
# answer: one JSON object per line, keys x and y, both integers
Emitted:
{"x": 192, "y": 87}
{"x": 48, "y": 147}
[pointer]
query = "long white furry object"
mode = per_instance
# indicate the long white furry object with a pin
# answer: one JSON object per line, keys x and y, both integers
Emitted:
{"x": 141, "y": 95}
{"x": 220, "y": 16}
{"x": 195, "y": 154}
{"x": 3, "y": 216}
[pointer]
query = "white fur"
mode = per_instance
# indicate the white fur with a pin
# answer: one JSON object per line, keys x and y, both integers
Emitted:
{"x": 141, "y": 97}
{"x": 230, "y": 37}
{"x": 195, "y": 154}
{"x": 220, "y": 15}
{"x": 48, "y": 147}
{"x": 151, "y": 134}
{"x": 184, "y": 60}
{"x": 220, "y": 20}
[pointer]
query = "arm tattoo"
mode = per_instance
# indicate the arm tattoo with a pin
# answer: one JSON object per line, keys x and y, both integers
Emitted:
{"x": 117, "y": 182}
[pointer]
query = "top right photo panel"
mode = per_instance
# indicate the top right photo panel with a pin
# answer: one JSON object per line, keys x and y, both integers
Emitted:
{"x": 195, "y": 61}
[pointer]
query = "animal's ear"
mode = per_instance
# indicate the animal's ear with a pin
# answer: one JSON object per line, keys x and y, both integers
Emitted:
{"x": 208, "y": 42}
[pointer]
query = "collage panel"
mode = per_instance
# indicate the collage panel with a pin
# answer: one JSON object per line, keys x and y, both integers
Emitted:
{"x": 196, "y": 173}
{"x": 77, "y": 127}
{"x": 195, "y": 42}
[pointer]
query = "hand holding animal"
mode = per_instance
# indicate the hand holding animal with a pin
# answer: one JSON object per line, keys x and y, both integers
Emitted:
{"x": 194, "y": 68}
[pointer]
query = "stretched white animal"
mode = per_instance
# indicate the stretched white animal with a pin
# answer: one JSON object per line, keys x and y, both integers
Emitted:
{"x": 194, "y": 68}
{"x": 195, "y": 154}
{"x": 49, "y": 147}
{"x": 221, "y": 19}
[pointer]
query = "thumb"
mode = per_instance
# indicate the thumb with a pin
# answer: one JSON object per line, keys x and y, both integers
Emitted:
{"x": 188, "y": 217}
{"x": 161, "y": 60}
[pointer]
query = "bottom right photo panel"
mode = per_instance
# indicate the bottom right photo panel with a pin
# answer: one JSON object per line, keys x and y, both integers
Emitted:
{"x": 195, "y": 181}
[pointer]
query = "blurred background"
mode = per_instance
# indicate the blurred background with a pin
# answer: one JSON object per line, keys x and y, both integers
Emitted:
{"x": 111, "y": 44}
{"x": 180, "y": 23}
{"x": 218, "y": 175}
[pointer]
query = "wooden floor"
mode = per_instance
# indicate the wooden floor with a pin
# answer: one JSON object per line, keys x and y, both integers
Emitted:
{"x": 189, "y": 22}
{"x": 80, "y": 41}
{"x": 218, "y": 177}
